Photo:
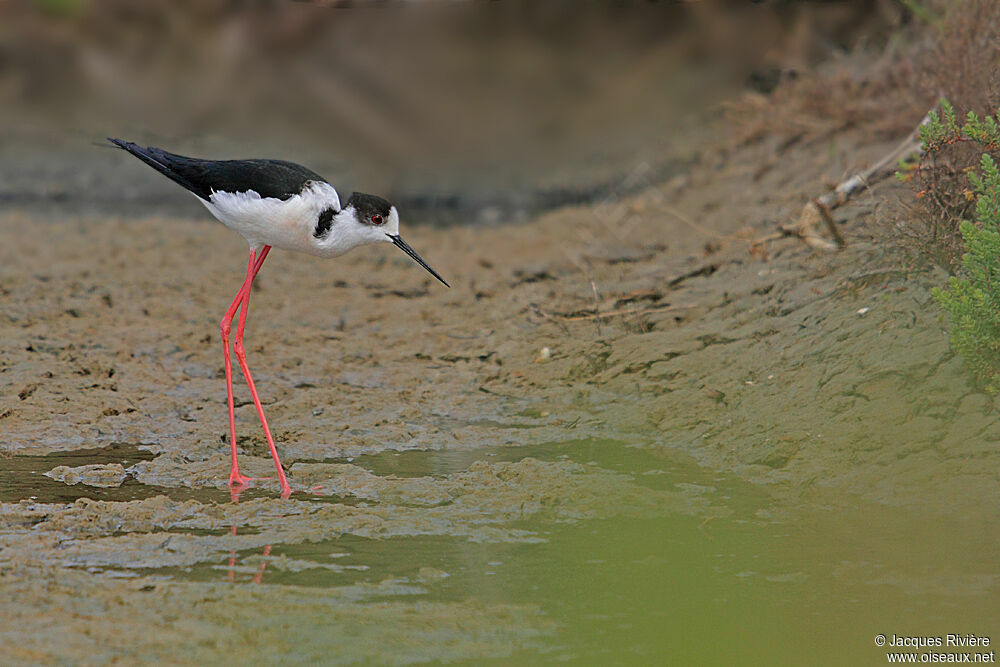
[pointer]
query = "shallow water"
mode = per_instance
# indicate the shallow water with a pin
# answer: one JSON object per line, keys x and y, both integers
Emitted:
{"x": 749, "y": 581}
{"x": 23, "y": 478}
{"x": 678, "y": 589}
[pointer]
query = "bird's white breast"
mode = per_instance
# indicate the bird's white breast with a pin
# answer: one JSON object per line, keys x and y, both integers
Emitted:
{"x": 286, "y": 224}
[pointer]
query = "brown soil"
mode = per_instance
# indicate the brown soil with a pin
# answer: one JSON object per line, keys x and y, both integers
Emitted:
{"x": 769, "y": 368}
{"x": 827, "y": 379}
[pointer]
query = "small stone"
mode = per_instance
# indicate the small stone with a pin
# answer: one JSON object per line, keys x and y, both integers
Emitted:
{"x": 102, "y": 476}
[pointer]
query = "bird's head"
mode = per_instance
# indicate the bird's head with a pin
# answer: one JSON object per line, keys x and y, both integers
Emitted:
{"x": 372, "y": 219}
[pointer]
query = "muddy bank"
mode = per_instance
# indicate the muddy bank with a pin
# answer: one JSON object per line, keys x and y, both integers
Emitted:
{"x": 152, "y": 620}
{"x": 626, "y": 361}
{"x": 795, "y": 370}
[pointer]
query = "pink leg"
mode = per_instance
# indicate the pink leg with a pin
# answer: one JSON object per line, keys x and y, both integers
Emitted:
{"x": 235, "y": 478}
{"x": 241, "y": 357}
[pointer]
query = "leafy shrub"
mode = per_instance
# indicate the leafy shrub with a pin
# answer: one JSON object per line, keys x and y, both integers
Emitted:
{"x": 972, "y": 299}
{"x": 951, "y": 153}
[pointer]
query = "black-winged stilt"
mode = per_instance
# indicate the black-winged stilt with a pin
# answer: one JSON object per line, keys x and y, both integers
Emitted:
{"x": 274, "y": 204}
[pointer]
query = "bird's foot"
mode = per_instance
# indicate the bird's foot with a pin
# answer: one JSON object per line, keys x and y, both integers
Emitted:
{"x": 238, "y": 479}
{"x": 237, "y": 483}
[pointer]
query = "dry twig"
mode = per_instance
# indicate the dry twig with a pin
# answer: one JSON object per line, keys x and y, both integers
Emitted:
{"x": 611, "y": 313}
{"x": 597, "y": 305}
{"x": 818, "y": 210}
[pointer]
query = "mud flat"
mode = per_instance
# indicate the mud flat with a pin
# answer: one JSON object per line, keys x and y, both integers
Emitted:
{"x": 612, "y": 364}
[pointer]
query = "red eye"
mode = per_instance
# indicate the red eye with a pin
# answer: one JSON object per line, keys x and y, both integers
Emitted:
{"x": 377, "y": 219}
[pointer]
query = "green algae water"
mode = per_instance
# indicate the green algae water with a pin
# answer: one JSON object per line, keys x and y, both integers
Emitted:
{"x": 746, "y": 582}
{"x": 667, "y": 564}
{"x": 677, "y": 590}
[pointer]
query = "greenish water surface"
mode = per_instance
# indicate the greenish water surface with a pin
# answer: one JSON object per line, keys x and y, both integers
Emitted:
{"x": 764, "y": 585}
{"x": 739, "y": 579}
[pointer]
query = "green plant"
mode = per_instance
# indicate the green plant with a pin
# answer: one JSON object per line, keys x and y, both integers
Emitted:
{"x": 972, "y": 299}
{"x": 942, "y": 177}
{"x": 942, "y": 129}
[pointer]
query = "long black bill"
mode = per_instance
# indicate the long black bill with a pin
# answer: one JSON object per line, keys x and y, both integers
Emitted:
{"x": 405, "y": 247}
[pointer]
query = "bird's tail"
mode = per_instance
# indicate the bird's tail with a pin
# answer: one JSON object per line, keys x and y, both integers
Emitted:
{"x": 158, "y": 159}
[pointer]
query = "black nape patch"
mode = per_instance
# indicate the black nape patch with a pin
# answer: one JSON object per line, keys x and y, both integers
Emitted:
{"x": 324, "y": 223}
{"x": 368, "y": 205}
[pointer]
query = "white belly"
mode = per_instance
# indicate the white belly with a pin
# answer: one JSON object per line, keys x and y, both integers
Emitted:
{"x": 287, "y": 224}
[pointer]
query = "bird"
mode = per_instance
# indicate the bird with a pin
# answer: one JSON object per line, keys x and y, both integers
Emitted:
{"x": 274, "y": 204}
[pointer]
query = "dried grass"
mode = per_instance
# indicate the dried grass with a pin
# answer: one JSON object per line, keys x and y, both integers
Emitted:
{"x": 964, "y": 67}
{"x": 950, "y": 50}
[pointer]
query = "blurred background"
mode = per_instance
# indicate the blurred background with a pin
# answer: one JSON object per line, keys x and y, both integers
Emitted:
{"x": 461, "y": 111}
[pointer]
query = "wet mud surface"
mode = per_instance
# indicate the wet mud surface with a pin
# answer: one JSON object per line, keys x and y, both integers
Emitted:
{"x": 627, "y": 370}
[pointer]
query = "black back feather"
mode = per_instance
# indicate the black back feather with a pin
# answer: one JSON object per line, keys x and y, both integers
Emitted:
{"x": 268, "y": 178}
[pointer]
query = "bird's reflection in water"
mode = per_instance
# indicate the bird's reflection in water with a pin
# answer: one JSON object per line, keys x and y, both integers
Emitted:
{"x": 258, "y": 576}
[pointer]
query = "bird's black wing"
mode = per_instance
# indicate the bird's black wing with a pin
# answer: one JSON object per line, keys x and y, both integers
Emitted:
{"x": 268, "y": 178}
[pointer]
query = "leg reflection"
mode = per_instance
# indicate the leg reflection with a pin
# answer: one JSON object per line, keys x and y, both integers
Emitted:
{"x": 258, "y": 576}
